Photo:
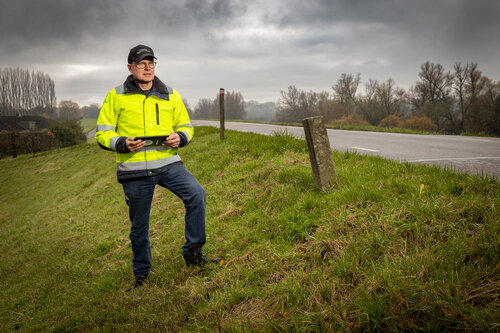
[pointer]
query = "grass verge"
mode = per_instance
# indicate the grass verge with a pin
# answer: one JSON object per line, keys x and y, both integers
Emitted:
{"x": 367, "y": 128}
{"x": 88, "y": 124}
{"x": 396, "y": 246}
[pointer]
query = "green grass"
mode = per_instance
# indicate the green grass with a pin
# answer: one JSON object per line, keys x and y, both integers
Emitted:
{"x": 377, "y": 254}
{"x": 88, "y": 124}
{"x": 371, "y": 128}
{"x": 368, "y": 128}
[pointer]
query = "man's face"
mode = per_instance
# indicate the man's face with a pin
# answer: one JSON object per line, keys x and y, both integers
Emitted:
{"x": 145, "y": 74}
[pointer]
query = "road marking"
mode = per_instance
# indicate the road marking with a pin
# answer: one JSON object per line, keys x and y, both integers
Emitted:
{"x": 457, "y": 159}
{"x": 366, "y": 149}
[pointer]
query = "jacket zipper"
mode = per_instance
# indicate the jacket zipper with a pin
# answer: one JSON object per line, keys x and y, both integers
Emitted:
{"x": 157, "y": 115}
{"x": 144, "y": 129}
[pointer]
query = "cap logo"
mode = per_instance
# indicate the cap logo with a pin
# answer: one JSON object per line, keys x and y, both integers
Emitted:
{"x": 142, "y": 50}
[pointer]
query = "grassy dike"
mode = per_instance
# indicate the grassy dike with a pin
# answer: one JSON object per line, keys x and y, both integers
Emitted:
{"x": 88, "y": 124}
{"x": 395, "y": 247}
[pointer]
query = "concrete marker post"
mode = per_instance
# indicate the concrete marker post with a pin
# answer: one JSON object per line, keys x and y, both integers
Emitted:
{"x": 221, "y": 113}
{"x": 320, "y": 153}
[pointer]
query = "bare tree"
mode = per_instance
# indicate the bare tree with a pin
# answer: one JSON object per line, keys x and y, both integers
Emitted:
{"x": 325, "y": 106}
{"x": 345, "y": 92}
{"x": 481, "y": 103}
{"x": 434, "y": 86}
{"x": 490, "y": 102}
{"x": 431, "y": 96}
{"x": 468, "y": 85}
{"x": 459, "y": 85}
{"x": 464, "y": 100}
{"x": 205, "y": 109}
{"x": 234, "y": 105}
{"x": 380, "y": 99}
{"x": 23, "y": 92}
{"x": 295, "y": 105}
{"x": 465, "y": 85}
{"x": 392, "y": 99}
{"x": 188, "y": 107}
{"x": 289, "y": 105}
{"x": 387, "y": 99}
{"x": 260, "y": 111}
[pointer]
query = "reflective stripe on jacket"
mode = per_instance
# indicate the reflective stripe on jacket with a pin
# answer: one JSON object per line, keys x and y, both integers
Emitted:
{"x": 128, "y": 111}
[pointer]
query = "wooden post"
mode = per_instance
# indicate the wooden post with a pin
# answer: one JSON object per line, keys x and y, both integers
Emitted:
{"x": 320, "y": 153}
{"x": 221, "y": 104}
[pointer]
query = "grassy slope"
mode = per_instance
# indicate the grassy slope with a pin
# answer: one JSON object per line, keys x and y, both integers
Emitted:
{"x": 376, "y": 253}
{"x": 88, "y": 124}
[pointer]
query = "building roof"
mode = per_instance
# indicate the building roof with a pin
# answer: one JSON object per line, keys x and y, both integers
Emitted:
{"x": 13, "y": 123}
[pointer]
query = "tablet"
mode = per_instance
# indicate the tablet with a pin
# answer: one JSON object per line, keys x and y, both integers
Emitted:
{"x": 152, "y": 141}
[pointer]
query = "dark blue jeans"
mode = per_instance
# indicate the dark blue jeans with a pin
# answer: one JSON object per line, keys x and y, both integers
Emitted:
{"x": 139, "y": 195}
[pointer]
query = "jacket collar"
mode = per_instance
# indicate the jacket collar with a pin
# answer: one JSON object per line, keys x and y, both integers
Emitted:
{"x": 159, "y": 89}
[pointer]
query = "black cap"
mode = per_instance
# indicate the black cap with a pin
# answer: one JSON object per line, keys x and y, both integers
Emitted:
{"x": 140, "y": 52}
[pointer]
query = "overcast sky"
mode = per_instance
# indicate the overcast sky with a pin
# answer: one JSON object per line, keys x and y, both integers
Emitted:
{"x": 255, "y": 47}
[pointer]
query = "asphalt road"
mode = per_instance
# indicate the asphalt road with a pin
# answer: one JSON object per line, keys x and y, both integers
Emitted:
{"x": 91, "y": 134}
{"x": 474, "y": 155}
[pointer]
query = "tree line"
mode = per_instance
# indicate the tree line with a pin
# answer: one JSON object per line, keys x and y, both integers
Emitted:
{"x": 30, "y": 93}
{"x": 462, "y": 100}
{"x": 24, "y": 92}
{"x": 459, "y": 101}
{"x": 71, "y": 110}
{"x": 234, "y": 107}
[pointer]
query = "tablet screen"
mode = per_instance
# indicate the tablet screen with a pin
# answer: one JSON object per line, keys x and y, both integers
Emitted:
{"x": 152, "y": 141}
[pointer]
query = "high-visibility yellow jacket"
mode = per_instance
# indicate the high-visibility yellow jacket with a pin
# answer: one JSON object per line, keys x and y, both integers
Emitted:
{"x": 128, "y": 111}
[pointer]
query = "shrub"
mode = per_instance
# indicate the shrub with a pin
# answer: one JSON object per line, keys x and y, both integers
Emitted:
{"x": 390, "y": 121}
{"x": 350, "y": 120}
{"x": 419, "y": 123}
{"x": 68, "y": 132}
{"x": 25, "y": 142}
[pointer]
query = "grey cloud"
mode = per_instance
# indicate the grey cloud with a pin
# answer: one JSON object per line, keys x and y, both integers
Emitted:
{"x": 41, "y": 22}
{"x": 453, "y": 19}
{"x": 393, "y": 12}
{"x": 258, "y": 47}
{"x": 59, "y": 27}
{"x": 403, "y": 31}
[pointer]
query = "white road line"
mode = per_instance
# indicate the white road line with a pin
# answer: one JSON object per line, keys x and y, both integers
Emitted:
{"x": 457, "y": 159}
{"x": 366, "y": 149}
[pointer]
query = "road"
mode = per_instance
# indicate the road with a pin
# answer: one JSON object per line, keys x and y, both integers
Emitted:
{"x": 91, "y": 133}
{"x": 474, "y": 155}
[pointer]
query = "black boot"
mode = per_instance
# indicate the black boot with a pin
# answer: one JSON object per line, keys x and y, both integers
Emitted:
{"x": 194, "y": 256}
{"x": 139, "y": 281}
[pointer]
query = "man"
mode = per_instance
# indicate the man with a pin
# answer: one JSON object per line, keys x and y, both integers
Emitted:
{"x": 145, "y": 106}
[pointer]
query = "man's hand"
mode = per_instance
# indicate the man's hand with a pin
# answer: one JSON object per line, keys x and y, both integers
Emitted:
{"x": 173, "y": 140}
{"x": 134, "y": 145}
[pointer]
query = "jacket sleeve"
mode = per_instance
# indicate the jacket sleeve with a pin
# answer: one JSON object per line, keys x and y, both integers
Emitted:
{"x": 182, "y": 123}
{"x": 106, "y": 134}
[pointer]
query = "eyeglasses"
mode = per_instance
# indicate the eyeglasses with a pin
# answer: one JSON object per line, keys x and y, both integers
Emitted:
{"x": 142, "y": 65}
